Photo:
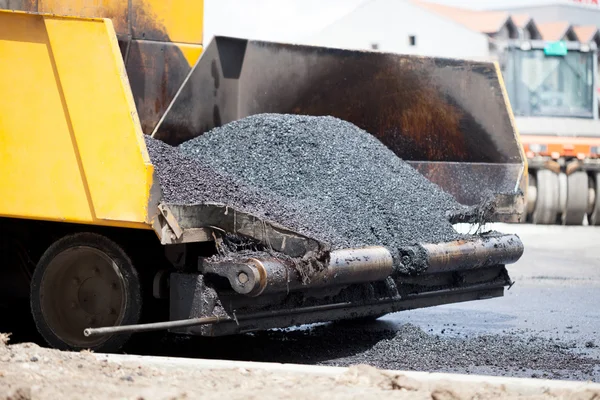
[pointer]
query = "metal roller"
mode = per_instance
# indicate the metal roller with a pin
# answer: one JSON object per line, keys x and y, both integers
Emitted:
{"x": 256, "y": 276}
{"x": 483, "y": 252}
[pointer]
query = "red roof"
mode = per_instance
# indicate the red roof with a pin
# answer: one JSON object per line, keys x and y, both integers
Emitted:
{"x": 479, "y": 21}
{"x": 521, "y": 20}
{"x": 553, "y": 31}
{"x": 586, "y": 33}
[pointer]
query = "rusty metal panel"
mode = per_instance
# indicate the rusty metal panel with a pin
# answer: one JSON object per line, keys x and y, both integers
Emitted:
{"x": 230, "y": 220}
{"x": 123, "y": 47}
{"x": 214, "y": 84}
{"x": 156, "y": 70}
{"x": 426, "y": 109}
{"x": 116, "y": 10}
{"x": 449, "y": 117}
{"x": 19, "y": 5}
{"x": 168, "y": 20}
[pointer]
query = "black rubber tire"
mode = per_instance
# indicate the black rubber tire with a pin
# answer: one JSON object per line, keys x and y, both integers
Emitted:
{"x": 547, "y": 205}
{"x": 577, "y": 198}
{"x": 594, "y": 216}
{"x": 129, "y": 279}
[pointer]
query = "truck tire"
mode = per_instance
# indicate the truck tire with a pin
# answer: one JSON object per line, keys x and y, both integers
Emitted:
{"x": 577, "y": 198}
{"x": 547, "y": 204}
{"x": 84, "y": 280}
{"x": 594, "y": 212}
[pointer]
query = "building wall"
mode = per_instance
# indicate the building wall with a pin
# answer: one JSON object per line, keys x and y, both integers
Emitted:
{"x": 388, "y": 25}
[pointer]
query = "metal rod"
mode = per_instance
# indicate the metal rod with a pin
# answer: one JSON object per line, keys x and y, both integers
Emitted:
{"x": 184, "y": 323}
{"x": 156, "y": 326}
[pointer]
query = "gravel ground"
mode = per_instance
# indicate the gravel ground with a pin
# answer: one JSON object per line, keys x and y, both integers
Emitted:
{"x": 404, "y": 347}
{"x": 411, "y": 348}
{"x": 30, "y": 372}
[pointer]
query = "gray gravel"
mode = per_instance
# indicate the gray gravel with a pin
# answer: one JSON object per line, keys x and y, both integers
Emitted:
{"x": 319, "y": 175}
{"x": 510, "y": 354}
{"x": 186, "y": 180}
{"x": 405, "y": 347}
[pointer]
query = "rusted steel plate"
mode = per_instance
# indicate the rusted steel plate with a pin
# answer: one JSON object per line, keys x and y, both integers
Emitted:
{"x": 426, "y": 109}
{"x": 156, "y": 71}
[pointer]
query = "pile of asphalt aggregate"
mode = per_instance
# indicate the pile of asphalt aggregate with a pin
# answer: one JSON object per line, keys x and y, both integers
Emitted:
{"x": 185, "y": 180}
{"x": 328, "y": 179}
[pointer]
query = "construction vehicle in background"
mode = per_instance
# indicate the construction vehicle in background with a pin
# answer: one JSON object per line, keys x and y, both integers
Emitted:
{"x": 88, "y": 239}
{"x": 552, "y": 88}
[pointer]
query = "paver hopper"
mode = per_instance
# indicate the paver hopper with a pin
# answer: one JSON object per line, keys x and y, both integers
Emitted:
{"x": 89, "y": 230}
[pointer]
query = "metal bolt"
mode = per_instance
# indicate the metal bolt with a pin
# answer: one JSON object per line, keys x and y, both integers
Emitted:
{"x": 242, "y": 277}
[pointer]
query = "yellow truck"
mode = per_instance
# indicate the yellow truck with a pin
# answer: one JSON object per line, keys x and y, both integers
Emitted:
{"x": 87, "y": 237}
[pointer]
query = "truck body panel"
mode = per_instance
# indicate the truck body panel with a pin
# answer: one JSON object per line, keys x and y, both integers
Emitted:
{"x": 66, "y": 103}
{"x": 78, "y": 99}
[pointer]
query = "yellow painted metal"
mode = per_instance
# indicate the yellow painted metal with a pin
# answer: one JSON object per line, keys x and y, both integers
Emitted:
{"x": 160, "y": 40}
{"x": 190, "y": 52}
{"x": 116, "y": 10}
{"x": 71, "y": 146}
{"x": 180, "y": 20}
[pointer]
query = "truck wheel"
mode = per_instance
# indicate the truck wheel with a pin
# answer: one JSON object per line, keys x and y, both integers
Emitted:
{"x": 594, "y": 200}
{"x": 84, "y": 280}
{"x": 531, "y": 195}
{"x": 547, "y": 204}
{"x": 577, "y": 198}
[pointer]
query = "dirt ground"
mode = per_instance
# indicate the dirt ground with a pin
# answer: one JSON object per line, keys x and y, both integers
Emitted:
{"x": 28, "y": 371}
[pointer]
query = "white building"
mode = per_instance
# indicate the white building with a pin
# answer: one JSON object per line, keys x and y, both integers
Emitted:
{"x": 404, "y": 27}
{"x": 400, "y": 26}
{"x": 537, "y": 85}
